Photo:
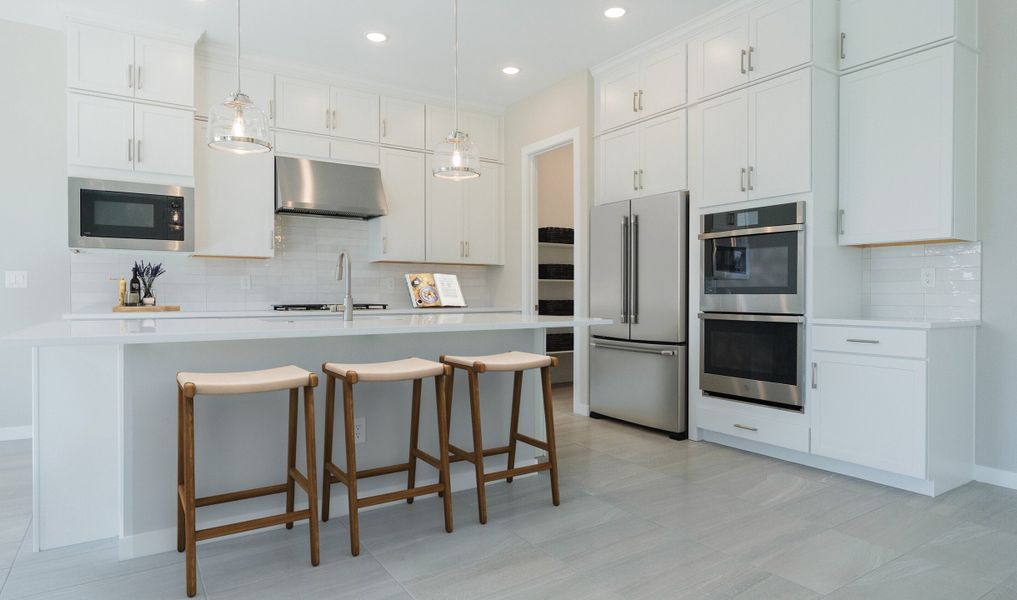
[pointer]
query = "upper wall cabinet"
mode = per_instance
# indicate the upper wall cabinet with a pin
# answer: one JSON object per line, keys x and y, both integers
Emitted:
{"x": 908, "y": 149}
{"x": 771, "y": 38}
{"x": 643, "y": 88}
{"x": 316, "y": 107}
{"x": 114, "y": 62}
{"x": 464, "y": 219}
{"x": 325, "y": 148}
{"x": 213, "y": 83}
{"x": 402, "y": 123}
{"x": 399, "y": 235}
{"x": 643, "y": 160}
{"x": 875, "y": 29}
{"x": 484, "y": 130}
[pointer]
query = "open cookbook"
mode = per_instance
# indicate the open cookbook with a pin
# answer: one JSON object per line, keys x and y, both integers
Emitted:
{"x": 434, "y": 290}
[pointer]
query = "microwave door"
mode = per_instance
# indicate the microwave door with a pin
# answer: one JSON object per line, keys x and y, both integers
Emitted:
{"x": 610, "y": 231}
{"x": 658, "y": 258}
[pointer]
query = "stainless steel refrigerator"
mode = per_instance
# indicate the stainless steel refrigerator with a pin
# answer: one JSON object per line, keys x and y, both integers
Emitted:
{"x": 639, "y": 279}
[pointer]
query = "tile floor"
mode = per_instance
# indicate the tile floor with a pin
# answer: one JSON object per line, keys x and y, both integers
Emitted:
{"x": 642, "y": 516}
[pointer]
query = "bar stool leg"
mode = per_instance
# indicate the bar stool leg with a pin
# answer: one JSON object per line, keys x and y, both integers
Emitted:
{"x": 326, "y": 477}
{"x": 291, "y": 454}
{"x": 411, "y": 472}
{"x": 189, "y": 534}
{"x": 351, "y": 468}
{"x": 443, "y": 472}
{"x": 478, "y": 446}
{"x": 552, "y": 452}
{"x": 450, "y": 378}
{"x": 517, "y": 391}
{"x": 312, "y": 474}
{"x": 180, "y": 470}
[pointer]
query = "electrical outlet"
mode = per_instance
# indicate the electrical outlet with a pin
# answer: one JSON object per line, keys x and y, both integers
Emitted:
{"x": 928, "y": 277}
{"x": 387, "y": 284}
{"x": 245, "y": 282}
{"x": 359, "y": 430}
{"x": 16, "y": 279}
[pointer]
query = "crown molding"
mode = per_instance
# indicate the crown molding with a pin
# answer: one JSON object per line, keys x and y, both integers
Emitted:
{"x": 74, "y": 14}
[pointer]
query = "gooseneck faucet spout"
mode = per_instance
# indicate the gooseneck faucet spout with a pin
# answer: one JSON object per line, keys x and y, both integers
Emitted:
{"x": 344, "y": 273}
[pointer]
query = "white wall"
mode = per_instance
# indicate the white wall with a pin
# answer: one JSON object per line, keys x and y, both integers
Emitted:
{"x": 32, "y": 162}
{"x": 554, "y": 188}
{"x": 996, "y": 412}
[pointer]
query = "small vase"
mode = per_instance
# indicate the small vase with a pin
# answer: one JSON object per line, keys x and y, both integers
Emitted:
{"x": 149, "y": 299}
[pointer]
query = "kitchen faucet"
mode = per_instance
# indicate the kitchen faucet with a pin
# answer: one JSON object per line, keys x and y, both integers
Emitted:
{"x": 344, "y": 272}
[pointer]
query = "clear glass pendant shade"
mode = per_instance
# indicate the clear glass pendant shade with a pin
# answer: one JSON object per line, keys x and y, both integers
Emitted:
{"x": 455, "y": 158}
{"x": 238, "y": 126}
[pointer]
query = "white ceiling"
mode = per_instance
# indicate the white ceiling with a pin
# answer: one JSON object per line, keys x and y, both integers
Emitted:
{"x": 547, "y": 39}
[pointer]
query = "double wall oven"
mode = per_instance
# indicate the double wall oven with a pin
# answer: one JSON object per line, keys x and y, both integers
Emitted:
{"x": 752, "y": 299}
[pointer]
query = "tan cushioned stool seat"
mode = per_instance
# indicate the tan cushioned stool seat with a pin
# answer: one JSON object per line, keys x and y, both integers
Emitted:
{"x": 396, "y": 370}
{"x": 246, "y": 382}
{"x": 506, "y": 361}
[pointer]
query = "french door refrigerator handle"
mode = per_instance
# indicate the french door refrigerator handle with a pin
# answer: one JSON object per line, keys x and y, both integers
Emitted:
{"x": 634, "y": 273}
{"x": 625, "y": 270}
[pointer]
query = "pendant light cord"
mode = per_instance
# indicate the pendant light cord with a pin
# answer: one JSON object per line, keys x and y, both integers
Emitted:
{"x": 238, "y": 46}
{"x": 455, "y": 46}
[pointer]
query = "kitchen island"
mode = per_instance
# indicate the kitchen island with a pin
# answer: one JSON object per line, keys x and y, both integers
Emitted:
{"x": 104, "y": 411}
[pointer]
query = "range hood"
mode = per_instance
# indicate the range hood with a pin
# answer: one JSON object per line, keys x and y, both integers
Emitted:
{"x": 323, "y": 189}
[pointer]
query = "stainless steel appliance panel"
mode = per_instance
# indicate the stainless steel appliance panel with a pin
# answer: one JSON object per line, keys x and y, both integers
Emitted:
{"x": 639, "y": 383}
{"x": 658, "y": 282}
{"x": 610, "y": 231}
{"x": 121, "y": 202}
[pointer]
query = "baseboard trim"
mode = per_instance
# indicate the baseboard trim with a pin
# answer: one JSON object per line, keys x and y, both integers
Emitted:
{"x": 8, "y": 434}
{"x": 994, "y": 476}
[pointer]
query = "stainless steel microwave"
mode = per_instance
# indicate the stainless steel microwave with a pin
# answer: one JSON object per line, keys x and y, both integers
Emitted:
{"x": 129, "y": 216}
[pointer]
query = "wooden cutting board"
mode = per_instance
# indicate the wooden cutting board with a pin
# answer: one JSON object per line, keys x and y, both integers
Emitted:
{"x": 146, "y": 309}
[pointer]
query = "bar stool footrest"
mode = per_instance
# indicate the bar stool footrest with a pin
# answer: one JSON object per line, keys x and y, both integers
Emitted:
{"x": 400, "y": 495}
{"x": 214, "y": 532}
{"x": 459, "y": 455}
{"x": 268, "y": 490}
{"x": 516, "y": 472}
{"x": 532, "y": 441}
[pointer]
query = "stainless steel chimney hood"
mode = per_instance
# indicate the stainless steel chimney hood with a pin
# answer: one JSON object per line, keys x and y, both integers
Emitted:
{"x": 310, "y": 187}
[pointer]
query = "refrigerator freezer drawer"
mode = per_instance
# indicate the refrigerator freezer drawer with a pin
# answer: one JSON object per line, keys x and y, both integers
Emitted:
{"x": 639, "y": 383}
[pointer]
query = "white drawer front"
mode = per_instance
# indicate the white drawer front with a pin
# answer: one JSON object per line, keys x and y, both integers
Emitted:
{"x": 906, "y": 343}
{"x": 784, "y": 430}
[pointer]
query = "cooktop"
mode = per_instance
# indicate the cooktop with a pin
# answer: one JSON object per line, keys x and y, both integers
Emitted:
{"x": 356, "y": 306}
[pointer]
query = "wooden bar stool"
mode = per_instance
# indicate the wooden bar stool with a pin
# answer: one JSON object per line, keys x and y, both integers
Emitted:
{"x": 410, "y": 369}
{"x": 516, "y": 362}
{"x": 190, "y": 385}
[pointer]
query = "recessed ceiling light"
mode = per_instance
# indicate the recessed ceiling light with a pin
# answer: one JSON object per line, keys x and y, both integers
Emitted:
{"x": 377, "y": 37}
{"x": 614, "y": 13}
{"x": 510, "y": 70}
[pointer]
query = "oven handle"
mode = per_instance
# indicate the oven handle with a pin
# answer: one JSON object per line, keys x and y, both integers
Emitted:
{"x": 754, "y": 231}
{"x": 756, "y": 318}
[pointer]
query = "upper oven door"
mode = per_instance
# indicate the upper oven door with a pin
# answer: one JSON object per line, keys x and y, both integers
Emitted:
{"x": 108, "y": 214}
{"x": 759, "y": 270}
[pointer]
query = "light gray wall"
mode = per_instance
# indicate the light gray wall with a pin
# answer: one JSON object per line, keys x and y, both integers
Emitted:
{"x": 34, "y": 199}
{"x": 996, "y": 440}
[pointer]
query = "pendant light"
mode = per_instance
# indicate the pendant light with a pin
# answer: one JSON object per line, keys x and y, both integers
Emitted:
{"x": 455, "y": 157}
{"x": 237, "y": 125}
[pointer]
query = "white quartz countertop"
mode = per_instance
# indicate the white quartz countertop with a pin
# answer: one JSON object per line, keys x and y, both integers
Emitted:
{"x": 897, "y": 323}
{"x": 248, "y": 314}
{"x": 278, "y": 326}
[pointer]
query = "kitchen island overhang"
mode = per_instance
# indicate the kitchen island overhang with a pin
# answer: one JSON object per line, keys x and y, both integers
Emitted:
{"x": 104, "y": 411}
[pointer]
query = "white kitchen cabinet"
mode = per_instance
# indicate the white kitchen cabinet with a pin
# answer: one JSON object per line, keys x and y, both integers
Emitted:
{"x": 163, "y": 140}
{"x": 908, "y": 149}
{"x": 100, "y": 59}
{"x": 444, "y": 228}
{"x": 234, "y": 202}
{"x": 875, "y": 29}
{"x": 643, "y": 160}
{"x": 399, "y": 235}
{"x": 771, "y": 38}
{"x": 324, "y": 148}
{"x": 303, "y": 105}
{"x": 464, "y": 219}
{"x": 643, "y": 88}
{"x": 213, "y": 82}
{"x": 355, "y": 115}
{"x": 402, "y": 123}
{"x": 484, "y": 130}
{"x": 753, "y": 143}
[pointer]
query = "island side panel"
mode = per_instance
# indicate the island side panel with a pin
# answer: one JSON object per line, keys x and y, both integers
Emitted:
{"x": 241, "y": 441}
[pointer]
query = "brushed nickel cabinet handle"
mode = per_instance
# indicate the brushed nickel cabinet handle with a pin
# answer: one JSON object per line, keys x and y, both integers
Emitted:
{"x": 840, "y": 221}
{"x": 130, "y": 150}
{"x": 635, "y": 181}
{"x": 742, "y": 179}
{"x": 815, "y": 375}
{"x": 467, "y": 248}
{"x": 635, "y": 98}
{"x": 335, "y": 120}
{"x": 139, "y": 77}
{"x": 384, "y": 245}
{"x": 860, "y": 341}
{"x": 843, "y": 45}
{"x": 744, "y": 70}
{"x": 271, "y": 109}
{"x": 640, "y": 179}
{"x": 745, "y": 427}
{"x": 384, "y": 128}
{"x": 328, "y": 119}
{"x": 138, "y": 151}
{"x": 130, "y": 76}
{"x": 751, "y": 171}
{"x": 751, "y": 50}
{"x": 640, "y": 100}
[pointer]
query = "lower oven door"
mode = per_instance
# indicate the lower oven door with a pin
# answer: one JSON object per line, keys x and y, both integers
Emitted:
{"x": 753, "y": 357}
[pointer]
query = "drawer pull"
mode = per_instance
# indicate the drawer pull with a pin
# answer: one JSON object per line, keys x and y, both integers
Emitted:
{"x": 745, "y": 427}
{"x": 857, "y": 341}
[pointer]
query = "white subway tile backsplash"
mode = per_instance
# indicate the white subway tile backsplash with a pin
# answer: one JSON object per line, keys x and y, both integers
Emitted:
{"x": 892, "y": 281}
{"x": 303, "y": 270}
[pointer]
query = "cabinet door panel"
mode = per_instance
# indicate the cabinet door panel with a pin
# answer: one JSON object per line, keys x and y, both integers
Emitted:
{"x": 870, "y": 411}
{"x": 402, "y": 123}
{"x": 482, "y": 210}
{"x": 294, "y": 144}
{"x": 780, "y": 36}
{"x": 233, "y": 201}
{"x": 875, "y": 28}
{"x": 722, "y": 139}
{"x": 780, "y": 136}
{"x": 402, "y": 229}
{"x": 716, "y": 60}
{"x": 618, "y": 100}
{"x": 165, "y": 71}
{"x": 356, "y": 115}
{"x": 664, "y": 81}
{"x": 485, "y": 132}
{"x": 303, "y": 105}
{"x": 100, "y": 132}
{"x": 445, "y": 239}
{"x": 663, "y": 156}
{"x": 100, "y": 59}
{"x": 214, "y": 82}
{"x": 619, "y": 165}
{"x": 163, "y": 140}
{"x": 896, "y": 150}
